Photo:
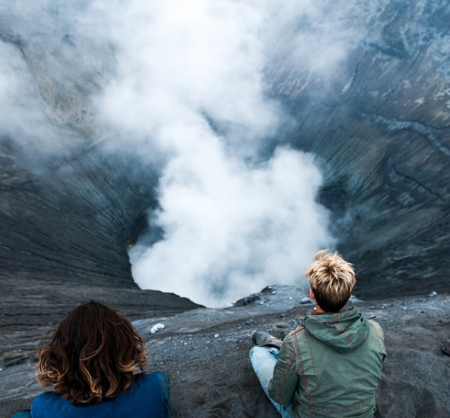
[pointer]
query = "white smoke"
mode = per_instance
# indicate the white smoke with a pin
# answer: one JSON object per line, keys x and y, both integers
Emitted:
{"x": 190, "y": 85}
{"x": 230, "y": 230}
{"x": 191, "y": 95}
{"x": 20, "y": 115}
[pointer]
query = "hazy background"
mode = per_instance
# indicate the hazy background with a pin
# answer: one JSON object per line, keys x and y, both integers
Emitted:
{"x": 183, "y": 86}
{"x": 237, "y": 207}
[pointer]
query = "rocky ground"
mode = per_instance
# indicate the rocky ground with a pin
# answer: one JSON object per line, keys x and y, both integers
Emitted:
{"x": 205, "y": 352}
{"x": 70, "y": 207}
{"x": 28, "y": 312}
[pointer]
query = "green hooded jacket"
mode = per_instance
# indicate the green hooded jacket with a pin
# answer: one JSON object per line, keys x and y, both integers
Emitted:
{"x": 330, "y": 367}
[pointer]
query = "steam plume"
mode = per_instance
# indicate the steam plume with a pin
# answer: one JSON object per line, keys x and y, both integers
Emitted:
{"x": 190, "y": 82}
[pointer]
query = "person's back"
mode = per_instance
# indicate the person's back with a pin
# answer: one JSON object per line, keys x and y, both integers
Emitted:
{"x": 144, "y": 399}
{"x": 95, "y": 363}
{"x": 331, "y": 366}
{"x": 338, "y": 360}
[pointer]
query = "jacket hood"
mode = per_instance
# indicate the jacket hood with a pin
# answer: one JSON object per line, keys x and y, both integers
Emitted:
{"x": 344, "y": 331}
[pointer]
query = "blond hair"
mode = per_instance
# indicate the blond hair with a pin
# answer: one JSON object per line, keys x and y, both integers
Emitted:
{"x": 331, "y": 279}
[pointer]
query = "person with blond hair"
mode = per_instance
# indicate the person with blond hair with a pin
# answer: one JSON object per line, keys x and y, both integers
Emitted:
{"x": 96, "y": 364}
{"x": 331, "y": 365}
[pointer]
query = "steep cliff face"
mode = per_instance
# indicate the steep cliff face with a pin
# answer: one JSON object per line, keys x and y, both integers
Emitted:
{"x": 70, "y": 205}
{"x": 379, "y": 128}
{"x": 69, "y": 209}
{"x": 73, "y": 225}
{"x": 381, "y": 132}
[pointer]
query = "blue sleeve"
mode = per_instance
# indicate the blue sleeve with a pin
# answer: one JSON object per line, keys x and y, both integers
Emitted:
{"x": 23, "y": 414}
{"x": 164, "y": 382}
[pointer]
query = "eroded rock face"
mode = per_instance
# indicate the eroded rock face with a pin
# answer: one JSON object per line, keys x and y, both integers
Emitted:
{"x": 63, "y": 240}
{"x": 381, "y": 132}
{"x": 68, "y": 210}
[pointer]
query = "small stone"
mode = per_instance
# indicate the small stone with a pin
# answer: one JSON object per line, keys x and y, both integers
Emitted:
{"x": 216, "y": 335}
{"x": 157, "y": 327}
{"x": 432, "y": 294}
{"x": 304, "y": 301}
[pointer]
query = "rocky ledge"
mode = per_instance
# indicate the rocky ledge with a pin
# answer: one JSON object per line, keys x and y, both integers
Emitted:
{"x": 205, "y": 352}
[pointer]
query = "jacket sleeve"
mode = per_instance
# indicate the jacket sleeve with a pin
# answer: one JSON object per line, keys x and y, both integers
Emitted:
{"x": 285, "y": 378}
{"x": 380, "y": 335}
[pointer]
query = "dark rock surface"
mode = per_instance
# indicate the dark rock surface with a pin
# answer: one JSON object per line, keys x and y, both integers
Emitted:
{"x": 205, "y": 353}
{"x": 63, "y": 240}
{"x": 68, "y": 213}
{"x": 28, "y": 314}
{"x": 381, "y": 131}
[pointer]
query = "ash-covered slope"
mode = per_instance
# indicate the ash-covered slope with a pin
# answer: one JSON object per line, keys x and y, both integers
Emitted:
{"x": 381, "y": 130}
{"x": 70, "y": 205}
{"x": 68, "y": 210}
{"x": 205, "y": 352}
{"x": 379, "y": 127}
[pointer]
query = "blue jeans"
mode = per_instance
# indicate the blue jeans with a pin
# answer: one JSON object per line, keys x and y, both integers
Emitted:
{"x": 263, "y": 360}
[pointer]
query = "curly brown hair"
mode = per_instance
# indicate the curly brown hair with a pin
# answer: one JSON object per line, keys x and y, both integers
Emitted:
{"x": 92, "y": 355}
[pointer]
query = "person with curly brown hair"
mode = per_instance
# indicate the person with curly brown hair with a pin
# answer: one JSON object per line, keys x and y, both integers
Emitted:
{"x": 96, "y": 362}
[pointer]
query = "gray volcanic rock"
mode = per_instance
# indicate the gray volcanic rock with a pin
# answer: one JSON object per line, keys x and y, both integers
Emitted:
{"x": 69, "y": 210}
{"x": 30, "y": 310}
{"x": 381, "y": 133}
{"x": 205, "y": 352}
{"x": 380, "y": 130}
{"x": 64, "y": 240}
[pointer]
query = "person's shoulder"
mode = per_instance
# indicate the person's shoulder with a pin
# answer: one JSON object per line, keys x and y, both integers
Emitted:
{"x": 44, "y": 403}
{"x": 295, "y": 333}
{"x": 148, "y": 394}
{"x": 373, "y": 323}
{"x": 376, "y": 327}
{"x": 148, "y": 379}
{"x": 300, "y": 328}
{"x": 145, "y": 378}
{"x": 45, "y": 397}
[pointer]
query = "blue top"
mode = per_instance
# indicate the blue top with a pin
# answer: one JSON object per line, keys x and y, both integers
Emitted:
{"x": 146, "y": 398}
